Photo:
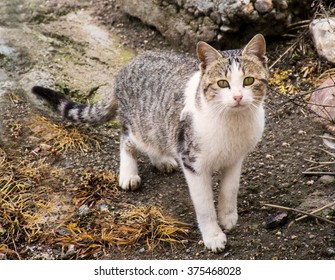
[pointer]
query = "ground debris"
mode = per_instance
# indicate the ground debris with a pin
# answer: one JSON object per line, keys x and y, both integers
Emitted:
{"x": 126, "y": 227}
{"x": 61, "y": 138}
{"x": 276, "y": 220}
{"x": 32, "y": 213}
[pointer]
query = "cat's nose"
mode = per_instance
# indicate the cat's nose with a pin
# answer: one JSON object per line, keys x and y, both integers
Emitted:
{"x": 238, "y": 98}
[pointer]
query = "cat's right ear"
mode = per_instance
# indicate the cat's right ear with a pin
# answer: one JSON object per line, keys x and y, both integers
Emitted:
{"x": 206, "y": 54}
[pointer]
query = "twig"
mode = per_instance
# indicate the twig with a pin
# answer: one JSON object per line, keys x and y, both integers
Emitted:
{"x": 321, "y": 163}
{"x": 318, "y": 166}
{"x": 316, "y": 211}
{"x": 283, "y": 54}
{"x": 300, "y": 212}
{"x": 290, "y": 48}
{"x": 320, "y": 105}
{"x": 327, "y": 137}
{"x": 329, "y": 153}
{"x": 318, "y": 173}
{"x": 299, "y": 23}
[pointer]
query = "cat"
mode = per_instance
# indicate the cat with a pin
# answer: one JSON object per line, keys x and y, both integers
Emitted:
{"x": 203, "y": 114}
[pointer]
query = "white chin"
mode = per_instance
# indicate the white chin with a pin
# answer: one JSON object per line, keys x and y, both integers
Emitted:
{"x": 239, "y": 107}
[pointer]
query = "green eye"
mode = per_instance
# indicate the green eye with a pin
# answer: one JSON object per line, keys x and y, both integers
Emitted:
{"x": 248, "y": 81}
{"x": 223, "y": 83}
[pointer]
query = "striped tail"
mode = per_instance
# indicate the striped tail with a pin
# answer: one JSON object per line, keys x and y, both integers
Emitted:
{"x": 97, "y": 113}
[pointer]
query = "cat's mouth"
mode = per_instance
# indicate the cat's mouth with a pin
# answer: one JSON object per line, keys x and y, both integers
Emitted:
{"x": 239, "y": 106}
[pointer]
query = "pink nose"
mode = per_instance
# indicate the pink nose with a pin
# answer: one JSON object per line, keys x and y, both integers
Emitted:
{"x": 238, "y": 98}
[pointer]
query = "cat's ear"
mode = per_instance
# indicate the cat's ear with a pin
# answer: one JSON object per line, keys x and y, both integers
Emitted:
{"x": 206, "y": 54}
{"x": 257, "y": 47}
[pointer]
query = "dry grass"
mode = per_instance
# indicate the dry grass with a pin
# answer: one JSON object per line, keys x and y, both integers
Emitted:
{"x": 61, "y": 138}
{"x": 149, "y": 223}
{"x": 109, "y": 222}
{"x": 94, "y": 188}
{"x": 325, "y": 75}
{"x": 280, "y": 80}
{"x": 22, "y": 195}
{"x": 91, "y": 236}
{"x": 35, "y": 211}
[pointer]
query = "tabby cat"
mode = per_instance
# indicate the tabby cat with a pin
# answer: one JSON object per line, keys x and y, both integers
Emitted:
{"x": 204, "y": 116}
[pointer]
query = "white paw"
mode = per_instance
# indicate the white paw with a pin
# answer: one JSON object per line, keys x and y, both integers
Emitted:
{"x": 167, "y": 165}
{"x": 129, "y": 183}
{"x": 216, "y": 242}
{"x": 228, "y": 221}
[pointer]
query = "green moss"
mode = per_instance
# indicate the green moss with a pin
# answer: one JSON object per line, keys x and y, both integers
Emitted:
{"x": 115, "y": 124}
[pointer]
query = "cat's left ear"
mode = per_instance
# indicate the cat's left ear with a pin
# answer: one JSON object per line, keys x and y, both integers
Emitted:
{"x": 206, "y": 54}
{"x": 257, "y": 47}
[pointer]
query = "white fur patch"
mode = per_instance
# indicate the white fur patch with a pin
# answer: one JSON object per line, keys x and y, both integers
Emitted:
{"x": 190, "y": 92}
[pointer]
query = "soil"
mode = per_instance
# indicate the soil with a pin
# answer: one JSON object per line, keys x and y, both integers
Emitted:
{"x": 272, "y": 174}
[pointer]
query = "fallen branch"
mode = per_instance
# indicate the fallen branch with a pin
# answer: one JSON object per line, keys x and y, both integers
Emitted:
{"x": 309, "y": 171}
{"x": 319, "y": 173}
{"x": 300, "y": 212}
{"x": 329, "y": 153}
{"x": 316, "y": 211}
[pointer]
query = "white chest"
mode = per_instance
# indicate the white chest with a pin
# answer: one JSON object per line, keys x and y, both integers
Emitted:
{"x": 228, "y": 139}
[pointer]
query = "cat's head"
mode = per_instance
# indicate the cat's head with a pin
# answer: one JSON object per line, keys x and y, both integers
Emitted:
{"x": 233, "y": 81}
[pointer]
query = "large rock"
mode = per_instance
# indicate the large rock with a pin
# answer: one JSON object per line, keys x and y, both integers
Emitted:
{"x": 322, "y": 103}
{"x": 227, "y": 23}
{"x": 323, "y": 34}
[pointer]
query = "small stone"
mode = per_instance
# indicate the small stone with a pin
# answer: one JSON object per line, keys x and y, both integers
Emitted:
{"x": 248, "y": 9}
{"x": 311, "y": 236}
{"x": 263, "y": 6}
{"x": 226, "y": 254}
{"x": 329, "y": 252}
{"x": 71, "y": 250}
{"x": 327, "y": 179}
{"x": 45, "y": 147}
{"x": 83, "y": 210}
{"x": 51, "y": 49}
{"x": 142, "y": 250}
{"x": 310, "y": 182}
{"x": 103, "y": 207}
{"x": 293, "y": 237}
{"x": 285, "y": 144}
{"x": 63, "y": 231}
{"x": 184, "y": 242}
{"x": 276, "y": 220}
{"x": 282, "y": 4}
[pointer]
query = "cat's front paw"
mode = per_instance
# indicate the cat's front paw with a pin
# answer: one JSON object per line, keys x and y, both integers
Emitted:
{"x": 129, "y": 183}
{"x": 216, "y": 242}
{"x": 228, "y": 221}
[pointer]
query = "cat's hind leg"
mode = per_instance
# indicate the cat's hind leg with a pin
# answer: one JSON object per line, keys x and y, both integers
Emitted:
{"x": 164, "y": 163}
{"x": 128, "y": 177}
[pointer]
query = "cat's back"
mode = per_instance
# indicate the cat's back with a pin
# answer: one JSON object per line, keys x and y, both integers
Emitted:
{"x": 150, "y": 92}
{"x": 156, "y": 74}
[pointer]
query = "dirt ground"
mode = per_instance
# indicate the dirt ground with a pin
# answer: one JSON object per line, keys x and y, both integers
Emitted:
{"x": 272, "y": 174}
